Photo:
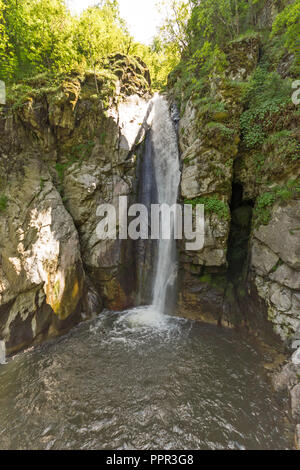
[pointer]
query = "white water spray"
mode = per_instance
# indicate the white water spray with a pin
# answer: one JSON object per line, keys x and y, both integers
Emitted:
{"x": 167, "y": 174}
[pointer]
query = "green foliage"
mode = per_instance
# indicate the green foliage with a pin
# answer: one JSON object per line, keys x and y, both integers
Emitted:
{"x": 36, "y": 87}
{"x": 190, "y": 79}
{"x": 225, "y": 131}
{"x": 3, "y": 202}
{"x": 7, "y": 58}
{"x": 213, "y": 24}
{"x": 276, "y": 266}
{"x": 98, "y": 33}
{"x": 287, "y": 23}
{"x": 265, "y": 86}
{"x": 160, "y": 58}
{"x": 217, "y": 21}
{"x": 173, "y": 32}
{"x": 266, "y": 95}
{"x": 262, "y": 212}
{"x": 39, "y": 37}
{"x": 212, "y": 205}
{"x": 284, "y": 144}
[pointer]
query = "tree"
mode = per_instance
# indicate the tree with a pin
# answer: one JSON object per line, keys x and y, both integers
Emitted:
{"x": 39, "y": 34}
{"x": 288, "y": 23}
{"x": 174, "y": 30}
{"x": 99, "y": 33}
{"x": 218, "y": 21}
{"x": 7, "y": 58}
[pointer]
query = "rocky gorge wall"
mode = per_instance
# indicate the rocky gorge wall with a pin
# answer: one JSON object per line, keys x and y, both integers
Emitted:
{"x": 240, "y": 158}
{"x": 68, "y": 149}
{"x": 250, "y": 260}
{"x": 63, "y": 152}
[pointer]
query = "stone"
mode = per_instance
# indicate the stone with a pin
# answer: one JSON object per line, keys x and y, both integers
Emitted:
{"x": 281, "y": 235}
{"x": 242, "y": 56}
{"x": 296, "y": 354}
{"x": 297, "y": 437}
{"x": 280, "y": 297}
{"x": 295, "y": 402}
{"x": 262, "y": 258}
{"x": 40, "y": 250}
{"x": 2, "y": 352}
{"x": 296, "y": 303}
{"x": 287, "y": 378}
{"x": 209, "y": 143}
{"x": 62, "y": 154}
{"x": 199, "y": 173}
{"x": 102, "y": 179}
{"x": 286, "y": 276}
{"x": 262, "y": 287}
{"x": 284, "y": 325}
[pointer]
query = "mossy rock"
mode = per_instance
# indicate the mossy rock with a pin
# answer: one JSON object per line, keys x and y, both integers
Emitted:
{"x": 132, "y": 73}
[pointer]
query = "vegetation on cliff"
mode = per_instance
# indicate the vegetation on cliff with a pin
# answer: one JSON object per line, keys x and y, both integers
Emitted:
{"x": 209, "y": 47}
{"x": 42, "y": 37}
{"x": 251, "y": 98}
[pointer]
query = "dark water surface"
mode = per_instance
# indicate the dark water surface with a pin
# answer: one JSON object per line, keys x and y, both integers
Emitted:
{"x": 134, "y": 381}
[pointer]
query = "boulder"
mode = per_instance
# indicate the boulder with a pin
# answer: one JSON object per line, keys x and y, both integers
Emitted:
{"x": 281, "y": 234}
{"x": 295, "y": 402}
{"x": 262, "y": 258}
{"x": 297, "y": 437}
{"x": 287, "y": 378}
{"x": 41, "y": 262}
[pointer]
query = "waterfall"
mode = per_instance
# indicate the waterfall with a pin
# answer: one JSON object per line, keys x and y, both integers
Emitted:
{"x": 146, "y": 248}
{"x": 159, "y": 180}
{"x": 167, "y": 176}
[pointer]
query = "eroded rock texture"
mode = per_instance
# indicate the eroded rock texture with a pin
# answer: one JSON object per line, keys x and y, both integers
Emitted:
{"x": 275, "y": 265}
{"x": 64, "y": 152}
{"x": 209, "y": 136}
{"x": 247, "y": 273}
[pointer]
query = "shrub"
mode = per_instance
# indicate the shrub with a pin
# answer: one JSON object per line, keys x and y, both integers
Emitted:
{"x": 212, "y": 205}
{"x": 262, "y": 210}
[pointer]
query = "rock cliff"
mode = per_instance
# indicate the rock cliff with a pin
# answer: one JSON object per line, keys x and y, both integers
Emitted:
{"x": 242, "y": 163}
{"x": 65, "y": 150}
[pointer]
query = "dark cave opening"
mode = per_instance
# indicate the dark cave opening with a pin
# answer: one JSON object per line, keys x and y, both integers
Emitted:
{"x": 239, "y": 236}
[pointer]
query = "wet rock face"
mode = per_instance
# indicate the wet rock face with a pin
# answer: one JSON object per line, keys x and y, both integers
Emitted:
{"x": 61, "y": 156}
{"x": 276, "y": 269}
{"x": 297, "y": 437}
{"x": 105, "y": 176}
{"x": 247, "y": 264}
{"x": 287, "y": 385}
{"x": 287, "y": 378}
{"x": 40, "y": 258}
{"x": 209, "y": 143}
{"x": 295, "y": 403}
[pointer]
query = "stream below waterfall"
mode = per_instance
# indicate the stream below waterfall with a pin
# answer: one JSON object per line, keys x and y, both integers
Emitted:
{"x": 140, "y": 380}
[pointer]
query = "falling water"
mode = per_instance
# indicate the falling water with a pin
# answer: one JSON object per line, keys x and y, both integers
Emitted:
{"x": 160, "y": 181}
{"x": 141, "y": 379}
{"x": 167, "y": 175}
